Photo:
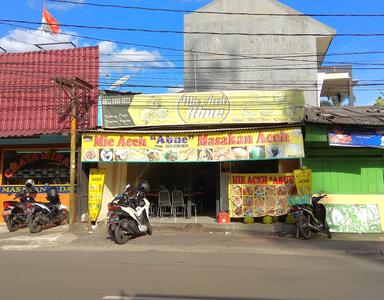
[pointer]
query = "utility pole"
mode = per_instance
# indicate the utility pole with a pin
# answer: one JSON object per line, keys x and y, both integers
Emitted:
{"x": 74, "y": 88}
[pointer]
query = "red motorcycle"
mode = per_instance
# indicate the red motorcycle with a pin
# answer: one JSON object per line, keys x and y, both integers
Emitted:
{"x": 15, "y": 213}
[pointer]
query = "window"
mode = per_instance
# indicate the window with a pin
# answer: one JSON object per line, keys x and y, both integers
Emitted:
{"x": 43, "y": 166}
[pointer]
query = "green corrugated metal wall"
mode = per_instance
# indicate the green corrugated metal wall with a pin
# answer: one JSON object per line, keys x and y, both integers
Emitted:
{"x": 339, "y": 170}
{"x": 349, "y": 176}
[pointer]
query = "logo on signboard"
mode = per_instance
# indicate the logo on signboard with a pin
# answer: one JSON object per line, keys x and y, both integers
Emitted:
{"x": 211, "y": 108}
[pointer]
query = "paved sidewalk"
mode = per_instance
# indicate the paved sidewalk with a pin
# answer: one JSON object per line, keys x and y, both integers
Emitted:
{"x": 165, "y": 239}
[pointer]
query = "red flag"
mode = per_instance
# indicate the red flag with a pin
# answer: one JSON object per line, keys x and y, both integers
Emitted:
{"x": 50, "y": 24}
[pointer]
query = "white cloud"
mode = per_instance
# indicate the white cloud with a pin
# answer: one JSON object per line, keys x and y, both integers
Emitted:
{"x": 54, "y": 5}
{"x": 115, "y": 60}
{"x": 64, "y": 6}
{"x": 23, "y": 40}
{"x": 175, "y": 89}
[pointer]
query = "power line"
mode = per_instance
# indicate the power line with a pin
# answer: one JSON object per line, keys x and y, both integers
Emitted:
{"x": 214, "y": 12}
{"x": 150, "y": 46}
{"x": 144, "y": 61}
{"x": 196, "y": 32}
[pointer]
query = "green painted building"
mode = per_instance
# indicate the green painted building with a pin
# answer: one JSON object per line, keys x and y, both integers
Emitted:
{"x": 351, "y": 173}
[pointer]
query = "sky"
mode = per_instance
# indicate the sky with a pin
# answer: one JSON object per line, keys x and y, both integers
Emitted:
{"x": 138, "y": 65}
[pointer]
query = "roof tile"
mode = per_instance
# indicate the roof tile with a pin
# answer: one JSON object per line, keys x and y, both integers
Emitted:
{"x": 31, "y": 103}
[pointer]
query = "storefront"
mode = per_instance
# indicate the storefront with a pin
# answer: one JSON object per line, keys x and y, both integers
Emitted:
{"x": 34, "y": 117}
{"x": 344, "y": 149}
{"x": 218, "y": 167}
{"x": 46, "y": 163}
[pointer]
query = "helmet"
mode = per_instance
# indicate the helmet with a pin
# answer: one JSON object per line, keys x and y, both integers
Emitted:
{"x": 52, "y": 193}
{"x": 29, "y": 183}
{"x": 144, "y": 186}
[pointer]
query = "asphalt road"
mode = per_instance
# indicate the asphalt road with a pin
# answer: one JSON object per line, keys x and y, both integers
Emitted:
{"x": 111, "y": 275}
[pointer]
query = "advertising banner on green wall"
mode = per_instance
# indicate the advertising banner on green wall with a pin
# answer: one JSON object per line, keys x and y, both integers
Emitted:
{"x": 353, "y": 218}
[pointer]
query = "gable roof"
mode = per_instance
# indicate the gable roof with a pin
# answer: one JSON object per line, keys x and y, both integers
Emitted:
{"x": 32, "y": 104}
{"x": 283, "y": 9}
{"x": 323, "y": 42}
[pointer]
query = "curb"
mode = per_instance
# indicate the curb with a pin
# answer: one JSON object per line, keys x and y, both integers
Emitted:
{"x": 265, "y": 229}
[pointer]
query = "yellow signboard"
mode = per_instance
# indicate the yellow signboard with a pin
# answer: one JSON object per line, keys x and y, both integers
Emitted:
{"x": 191, "y": 147}
{"x": 229, "y": 107}
{"x": 258, "y": 195}
{"x": 303, "y": 179}
{"x": 95, "y": 192}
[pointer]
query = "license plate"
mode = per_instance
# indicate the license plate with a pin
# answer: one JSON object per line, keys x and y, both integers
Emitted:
{"x": 113, "y": 220}
{"x": 297, "y": 213}
{"x": 7, "y": 212}
{"x": 29, "y": 211}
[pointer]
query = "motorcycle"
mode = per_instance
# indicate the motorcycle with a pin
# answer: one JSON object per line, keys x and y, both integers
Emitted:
{"x": 52, "y": 212}
{"x": 311, "y": 218}
{"x": 128, "y": 216}
{"x": 16, "y": 213}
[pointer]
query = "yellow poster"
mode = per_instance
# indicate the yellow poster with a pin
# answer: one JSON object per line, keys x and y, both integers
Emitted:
{"x": 258, "y": 195}
{"x": 192, "y": 147}
{"x": 303, "y": 179}
{"x": 229, "y": 107}
{"x": 95, "y": 192}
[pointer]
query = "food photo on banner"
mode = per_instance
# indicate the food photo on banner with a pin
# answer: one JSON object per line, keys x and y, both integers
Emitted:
{"x": 259, "y": 195}
{"x": 355, "y": 138}
{"x": 193, "y": 147}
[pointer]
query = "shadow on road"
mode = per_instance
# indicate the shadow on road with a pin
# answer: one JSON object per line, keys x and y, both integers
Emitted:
{"x": 125, "y": 296}
{"x": 369, "y": 246}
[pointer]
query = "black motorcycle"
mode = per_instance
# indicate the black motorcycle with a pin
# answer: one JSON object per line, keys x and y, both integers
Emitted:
{"x": 52, "y": 212}
{"x": 15, "y": 212}
{"x": 128, "y": 216}
{"x": 311, "y": 218}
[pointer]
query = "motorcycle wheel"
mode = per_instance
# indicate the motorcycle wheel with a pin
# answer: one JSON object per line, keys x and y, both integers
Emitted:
{"x": 63, "y": 219}
{"x": 34, "y": 226}
{"x": 120, "y": 236}
{"x": 304, "y": 229}
{"x": 11, "y": 225}
{"x": 327, "y": 231}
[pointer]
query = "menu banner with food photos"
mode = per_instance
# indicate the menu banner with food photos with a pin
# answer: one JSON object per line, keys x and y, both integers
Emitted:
{"x": 303, "y": 179}
{"x": 229, "y": 107}
{"x": 95, "y": 192}
{"x": 259, "y": 195}
{"x": 193, "y": 147}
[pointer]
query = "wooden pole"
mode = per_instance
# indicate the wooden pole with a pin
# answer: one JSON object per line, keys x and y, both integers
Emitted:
{"x": 72, "y": 87}
{"x": 72, "y": 171}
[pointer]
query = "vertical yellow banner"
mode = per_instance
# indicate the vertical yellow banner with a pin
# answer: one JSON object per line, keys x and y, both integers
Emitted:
{"x": 303, "y": 180}
{"x": 95, "y": 192}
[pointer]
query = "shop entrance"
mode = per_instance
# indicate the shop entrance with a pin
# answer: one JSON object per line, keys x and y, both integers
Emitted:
{"x": 200, "y": 181}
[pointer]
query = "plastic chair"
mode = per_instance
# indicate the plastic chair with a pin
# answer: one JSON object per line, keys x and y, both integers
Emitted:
{"x": 178, "y": 202}
{"x": 193, "y": 206}
{"x": 163, "y": 203}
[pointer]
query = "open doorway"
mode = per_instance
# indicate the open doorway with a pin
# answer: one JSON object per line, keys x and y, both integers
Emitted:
{"x": 201, "y": 180}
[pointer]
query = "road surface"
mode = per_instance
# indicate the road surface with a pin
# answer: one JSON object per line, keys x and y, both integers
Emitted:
{"x": 184, "y": 266}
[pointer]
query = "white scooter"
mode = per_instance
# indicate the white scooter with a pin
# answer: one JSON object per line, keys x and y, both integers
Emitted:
{"x": 128, "y": 217}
